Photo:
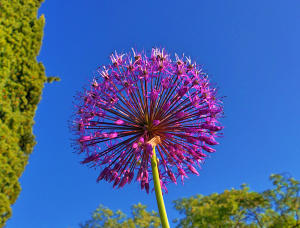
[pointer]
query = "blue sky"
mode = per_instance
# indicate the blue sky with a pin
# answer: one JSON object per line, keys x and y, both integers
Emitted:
{"x": 249, "y": 48}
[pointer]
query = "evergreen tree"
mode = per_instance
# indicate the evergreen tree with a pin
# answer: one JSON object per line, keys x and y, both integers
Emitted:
{"x": 22, "y": 79}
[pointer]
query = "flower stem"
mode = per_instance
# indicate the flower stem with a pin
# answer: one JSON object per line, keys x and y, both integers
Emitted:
{"x": 158, "y": 193}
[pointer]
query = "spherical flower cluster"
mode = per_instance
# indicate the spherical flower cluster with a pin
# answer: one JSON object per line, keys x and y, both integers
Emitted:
{"x": 139, "y": 97}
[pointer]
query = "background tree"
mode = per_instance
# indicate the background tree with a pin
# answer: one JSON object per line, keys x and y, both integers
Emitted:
{"x": 278, "y": 207}
{"x": 104, "y": 217}
{"x": 284, "y": 202}
{"x": 22, "y": 79}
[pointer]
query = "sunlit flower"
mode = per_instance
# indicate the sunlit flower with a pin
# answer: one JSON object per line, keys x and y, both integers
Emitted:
{"x": 137, "y": 98}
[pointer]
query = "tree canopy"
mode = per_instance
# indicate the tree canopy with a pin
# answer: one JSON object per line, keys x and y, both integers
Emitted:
{"x": 277, "y": 207}
{"x": 104, "y": 217}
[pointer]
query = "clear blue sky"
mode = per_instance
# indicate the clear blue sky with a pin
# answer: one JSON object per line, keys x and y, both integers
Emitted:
{"x": 249, "y": 48}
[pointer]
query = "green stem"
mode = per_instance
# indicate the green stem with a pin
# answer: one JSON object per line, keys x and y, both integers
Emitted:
{"x": 158, "y": 193}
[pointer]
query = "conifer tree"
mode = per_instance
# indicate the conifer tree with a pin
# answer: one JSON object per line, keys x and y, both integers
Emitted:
{"x": 22, "y": 79}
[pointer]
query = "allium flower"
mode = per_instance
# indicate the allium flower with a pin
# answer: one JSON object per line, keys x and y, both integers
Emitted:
{"x": 137, "y": 98}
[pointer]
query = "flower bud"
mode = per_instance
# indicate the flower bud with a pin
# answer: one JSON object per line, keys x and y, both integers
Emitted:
{"x": 193, "y": 170}
{"x": 119, "y": 122}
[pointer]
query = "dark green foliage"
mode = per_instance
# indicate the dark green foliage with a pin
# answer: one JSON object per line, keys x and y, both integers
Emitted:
{"x": 22, "y": 79}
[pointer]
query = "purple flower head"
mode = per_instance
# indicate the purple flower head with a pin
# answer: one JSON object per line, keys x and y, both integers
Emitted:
{"x": 139, "y": 97}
